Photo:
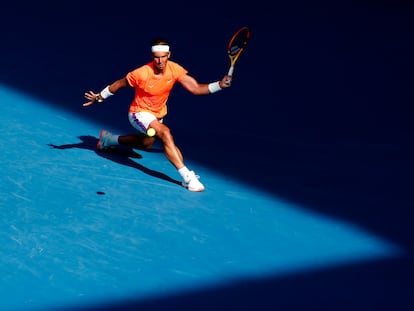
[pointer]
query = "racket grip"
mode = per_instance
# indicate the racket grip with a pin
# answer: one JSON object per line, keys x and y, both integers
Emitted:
{"x": 230, "y": 73}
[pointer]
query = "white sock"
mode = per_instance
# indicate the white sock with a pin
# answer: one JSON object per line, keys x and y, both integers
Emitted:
{"x": 113, "y": 140}
{"x": 183, "y": 172}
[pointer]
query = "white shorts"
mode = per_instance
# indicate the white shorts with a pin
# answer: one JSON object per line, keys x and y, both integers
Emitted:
{"x": 141, "y": 120}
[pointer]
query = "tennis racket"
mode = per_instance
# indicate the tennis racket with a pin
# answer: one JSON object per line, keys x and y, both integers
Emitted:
{"x": 236, "y": 46}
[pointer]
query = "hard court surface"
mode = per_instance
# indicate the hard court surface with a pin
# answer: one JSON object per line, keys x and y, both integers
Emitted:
{"x": 307, "y": 166}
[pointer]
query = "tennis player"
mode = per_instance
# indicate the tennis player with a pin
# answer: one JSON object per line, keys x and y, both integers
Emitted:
{"x": 153, "y": 83}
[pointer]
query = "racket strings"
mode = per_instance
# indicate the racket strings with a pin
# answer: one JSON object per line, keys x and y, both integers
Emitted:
{"x": 238, "y": 42}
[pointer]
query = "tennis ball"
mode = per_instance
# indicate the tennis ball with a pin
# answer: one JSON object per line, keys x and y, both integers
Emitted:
{"x": 150, "y": 132}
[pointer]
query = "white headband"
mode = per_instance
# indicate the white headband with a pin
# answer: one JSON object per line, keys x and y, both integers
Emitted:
{"x": 160, "y": 48}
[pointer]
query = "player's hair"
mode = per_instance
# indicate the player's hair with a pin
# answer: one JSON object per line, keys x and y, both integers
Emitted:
{"x": 159, "y": 41}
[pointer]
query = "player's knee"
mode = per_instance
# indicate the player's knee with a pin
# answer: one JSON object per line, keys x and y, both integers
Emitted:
{"x": 164, "y": 134}
{"x": 147, "y": 142}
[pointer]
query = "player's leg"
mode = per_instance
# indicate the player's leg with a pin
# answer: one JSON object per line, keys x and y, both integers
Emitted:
{"x": 140, "y": 140}
{"x": 174, "y": 155}
{"x": 171, "y": 151}
{"x": 137, "y": 141}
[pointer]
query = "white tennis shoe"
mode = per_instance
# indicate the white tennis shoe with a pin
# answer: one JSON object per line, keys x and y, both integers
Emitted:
{"x": 192, "y": 183}
{"x": 104, "y": 137}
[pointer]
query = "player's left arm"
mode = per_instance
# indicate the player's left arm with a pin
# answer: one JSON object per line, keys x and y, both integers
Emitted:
{"x": 191, "y": 85}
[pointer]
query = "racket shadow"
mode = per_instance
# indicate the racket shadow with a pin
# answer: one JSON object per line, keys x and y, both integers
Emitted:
{"x": 121, "y": 155}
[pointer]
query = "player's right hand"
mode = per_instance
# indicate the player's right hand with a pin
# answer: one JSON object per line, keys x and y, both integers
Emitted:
{"x": 91, "y": 97}
{"x": 226, "y": 81}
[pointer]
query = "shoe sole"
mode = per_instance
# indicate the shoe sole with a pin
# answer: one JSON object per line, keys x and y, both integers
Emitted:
{"x": 196, "y": 190}
{"x": 193, "y": 190}
{"x": 98, "y": 145}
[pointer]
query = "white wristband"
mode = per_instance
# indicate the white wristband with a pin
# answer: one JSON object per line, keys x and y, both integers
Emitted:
{"x": 214, "y": 87}
{"x": 105, "y": 93}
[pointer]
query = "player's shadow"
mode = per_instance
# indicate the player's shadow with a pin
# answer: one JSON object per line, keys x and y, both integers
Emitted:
{"x": 121, "y": 155}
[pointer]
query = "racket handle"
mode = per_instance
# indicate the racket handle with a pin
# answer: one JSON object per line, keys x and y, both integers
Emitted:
{"x": 230, "y": 73}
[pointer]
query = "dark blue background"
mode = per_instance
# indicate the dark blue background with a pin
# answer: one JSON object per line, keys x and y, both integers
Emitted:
{"x": 322, "y": 96}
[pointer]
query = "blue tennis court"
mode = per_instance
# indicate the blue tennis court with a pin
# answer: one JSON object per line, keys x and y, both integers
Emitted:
{"x": 311, "y": 212}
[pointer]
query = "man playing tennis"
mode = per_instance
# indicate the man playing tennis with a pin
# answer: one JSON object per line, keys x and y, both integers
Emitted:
{"x": 153, "y": 83}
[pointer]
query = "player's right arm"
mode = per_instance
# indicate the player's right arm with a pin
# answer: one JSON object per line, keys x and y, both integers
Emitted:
{"x": 191, "y": 85}
{"x": 110, "y": 90}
